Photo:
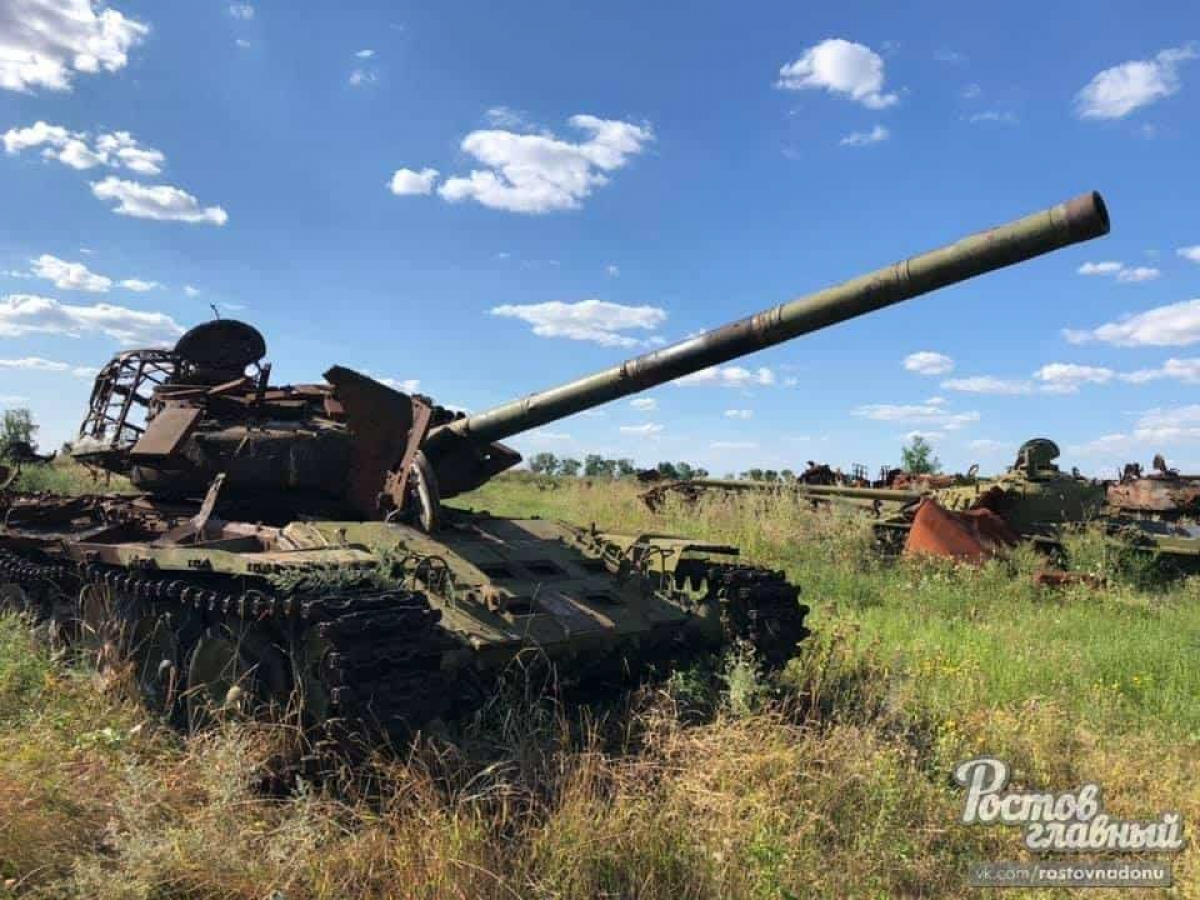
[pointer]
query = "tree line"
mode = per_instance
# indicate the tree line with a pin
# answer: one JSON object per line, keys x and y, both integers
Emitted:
{"x": 596, "y": 466}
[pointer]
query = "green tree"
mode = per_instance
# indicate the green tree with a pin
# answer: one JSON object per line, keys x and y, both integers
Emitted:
{"x": 917, "y": 457}
{"x": 569, "y": 467}
{"x": 788, "y": 475}
{"x": 18, "y": 427}
{"x": 543, "y": 464}
{"x": 685, "y": 471}
{"x": 625, "y": 468}
{"x": 770, "y": 475}
{"x": 668, "y": 470}
{"x": 593, "y": 465}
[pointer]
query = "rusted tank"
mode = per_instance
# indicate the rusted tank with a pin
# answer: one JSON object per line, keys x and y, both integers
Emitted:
{"x": 1162, "y": 493}
{"x": 290, "y": 547}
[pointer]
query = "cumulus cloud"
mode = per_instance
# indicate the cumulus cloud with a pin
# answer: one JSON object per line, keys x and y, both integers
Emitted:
{"x": 876, "y": 135}
{"x": 1175, "y": 325}
{"x": 588, "y": 320}
{"x": 139, "y": 285}
{"x": 46, "y": 44}
{"x": 1185, "y": 370}
{"x": 37, "y": 364}
{"x": 540, "y": 173}
{"x": 644, "y": 404}
{"x": 840, "y": 67}
{"x": 1119, "y": 271}
{"x": 926, "y": 362}
{"x": 78, "y": 150}
{"x": 243, "y": 11}
{"x": 987, "y": 384}
{"x": 650, "y": 429}
{"x": 365, "y": 54}
{"x": 1153, "y": 429}
{"x": 22, "y": 314}
{"x": 407, "y": 181}
{"x": 931, "y": 415}
{"x": 612, "y": 271}
{"x": 728, "y": 376}
{"x": 742, "y": 414}
{"x": 987, "y": 445}
{"x": 161, "y": 202}
{"x": 1116, "y": 92}
{"x": 408, "y": 385}
{"x": 69, "y": 276}
{"x": 360, "y": 77}
{"x": 1066, "y": 378}
{"x": 191, "y": 291}
{"x": 1191, "y": 253}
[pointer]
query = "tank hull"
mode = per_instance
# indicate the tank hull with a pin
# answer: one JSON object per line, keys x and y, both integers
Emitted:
{"x": 371, "y": 629}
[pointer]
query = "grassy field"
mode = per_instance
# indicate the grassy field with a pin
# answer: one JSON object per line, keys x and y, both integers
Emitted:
{"x": 830, "y": 780}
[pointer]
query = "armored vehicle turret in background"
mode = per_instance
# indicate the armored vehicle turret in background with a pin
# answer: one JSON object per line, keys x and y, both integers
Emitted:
{"x": 291, "y": 542}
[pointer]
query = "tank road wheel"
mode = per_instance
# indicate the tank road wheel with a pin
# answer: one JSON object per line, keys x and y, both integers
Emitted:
{"x": 101, "y": 626}
{"x": 160, "y": 645}
{"x": 232, "y": 673}
{"x": 14, "y": 598}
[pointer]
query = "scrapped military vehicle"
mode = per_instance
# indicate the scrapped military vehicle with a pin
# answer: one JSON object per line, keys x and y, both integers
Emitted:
{"x": 1160, "y": 494}
{"x": 289, "y": 546}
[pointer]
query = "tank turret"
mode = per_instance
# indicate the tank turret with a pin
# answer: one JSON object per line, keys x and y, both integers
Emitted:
{"x": 355, "y": 447}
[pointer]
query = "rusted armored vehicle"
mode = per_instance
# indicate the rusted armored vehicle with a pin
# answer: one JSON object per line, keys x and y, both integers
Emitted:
{"x": 1160, "y": 494}
{"x": 290, "y": 546}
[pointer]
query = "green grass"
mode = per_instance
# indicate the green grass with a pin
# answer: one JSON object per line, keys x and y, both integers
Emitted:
{"x": 832, "y": 780}
{"x": 62, "y": 475}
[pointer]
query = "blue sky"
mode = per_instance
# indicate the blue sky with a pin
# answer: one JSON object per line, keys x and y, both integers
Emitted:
{"x": 493, "y": 198}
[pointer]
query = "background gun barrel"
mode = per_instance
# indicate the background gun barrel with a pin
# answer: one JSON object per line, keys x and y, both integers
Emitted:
{"x": 1079, "y": 219}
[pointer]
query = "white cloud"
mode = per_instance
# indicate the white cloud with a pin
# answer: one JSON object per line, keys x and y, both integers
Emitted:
{"x": 139, "y": 285}
{"x": 612, "y": 271}
{"x": 970, "y": 91}
{"x": 1066, "y": 378}
{"x": 507, "y": 117}
{"x": 840, "y": 67}
{"x": 1175, "y": 325}
{"x": 22, "y": 314}
{"x": 37, "y": 364}
{"x": 243, "y": 43}
{"x": 360, "y": 77}
{"x": 191, "y": 291}
{"x": 1192, "y": 253}
{"x": 876, "y": 135}
{"x": 791, "y": 382}
{"x": 1120, "y": 271}
{"x": 728, "y": 376}
{"x": 588, "y": 320}
{"x": 1116, "y": 92}
{"x": 734, "y": 445}
{"x": 408, "y": 385}
{"x": 407, "y": 181}
{"x": 926, "y": 362}
{"x": 243, "y": 11}
{"x": 650, "y": 429}
{"x": 987, "y": 445}
{"x": 77, "y": 150}
{"x": 742, "y": 414}
{"x": 69, "y": 276}
{"x": 644, "y": 404}
{"x": 986, "y": 384}
{"x": 1002, "y": 117}
{"x": 1154, "y": 429}
{"x": 1185, "y": 370}
{"x": 45, "y": 44}
{"x": 538, "y": 173}
{"x": 365, "y": 54}
{"x": 161, "y": 202}
{"x": 932, "y": 415}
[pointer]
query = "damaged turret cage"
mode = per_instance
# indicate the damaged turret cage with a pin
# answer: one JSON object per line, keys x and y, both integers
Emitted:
{"x": 289, "y": 546}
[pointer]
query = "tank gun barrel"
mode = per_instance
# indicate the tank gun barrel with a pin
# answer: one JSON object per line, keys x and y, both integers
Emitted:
{"x": 1080, "y": 219}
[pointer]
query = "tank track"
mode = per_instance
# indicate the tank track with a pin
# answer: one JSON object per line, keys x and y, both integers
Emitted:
{"x": 366, "y": 664}
{"x": 760, "y": 606}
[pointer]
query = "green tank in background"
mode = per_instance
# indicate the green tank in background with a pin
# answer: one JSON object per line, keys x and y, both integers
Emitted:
{"x": 290, "y": 547}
